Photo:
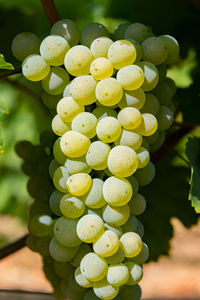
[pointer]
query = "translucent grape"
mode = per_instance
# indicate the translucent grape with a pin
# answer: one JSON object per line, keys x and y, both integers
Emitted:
{"x": 83, "y": 250}
{"x": 68, "y": 29}
{"x": 130, "y": 292}
{"x": 120, "y": 31}
{"x": 54, "y": 202}
{"x": 107, "y": 244}
{"x": 151, "y": 105}
{"x": 146, "y": 174}
{"x": 66, "y": 92}
{"x": 122, "y": 161}
{"x": 121, "y": 53}
{"x": 85, "y": 123}
{"x": 57, "y": 153}
{"x": 164, "y": 92}
{"x": 143, "y": 157}
{"x": 138, "y": 50}
{"x": 172, "y": 48}
{"x": 50, "y": 101}
{"x": 59, "y": 127}
{"x": 65, "y": 225}
{"x": 25, "y": 44}
{"x": 138, "y": 32}
{"x": 130, "y": 77}
{"x": 162, "y": 70}
{"x": 94, "y": 197}
{"x": 55, "y": 82}
{"x": 135, "y": 273}
{"x": 116, "y": 216}
{"x": 130, "y": 139}
{"x": 60, "y": 178}
{"x": 145, "y": 144}
{"x": 102, "y": 112}
{"x": 129, "y": 117}
{"x": 78, "y": 184}
{"x": 134, "y": 99}
{"x": 77, "y": 60}
{"x": 109, "y": 91}
{"x": 97, "y": 155}
{"x": 82, "y": 89}
{"x": 131, "y": 244}
{"x": 101, "y": 68}
{"x": 71, "y": 207}
{"x": 116, "y": 258}
{"x": 52, "y": 167}
{"x": 39, "y": 225}
{"x": 151, "y": 75}
{"x": 165, "y": 118}
{"x": 142, "y": 257}
{"x": 118, "y": 274}
{"x": 81, "y": 279}
{"x": 154, "y": 50}
{"x": 100, "y": 46}
{"x": 74, "y": 144}
{"x": 105, "y": 290}
{"x": 92, "y": 31}
{"x": 131, "y": 224}
{"x": 35, "y": 68}
{"x": 53, "y": 49}
{"x": 134, "y": 183}
{"x": 117, "y": 229}
{"x": 137, "y": 205}
{"x": 93, "y": 267}
{"x": 77, "y": 165}
{"x": 60, "y": 253}
{"x": 152, "y": 138}
{"x": 90, "y": 227}
{"x": 159, "y": 141}
{"x": 67, "y": 109}
{"x": 108, "y": 129}
{"x": 148, "y": 125}
{"x": 116, "y": 191}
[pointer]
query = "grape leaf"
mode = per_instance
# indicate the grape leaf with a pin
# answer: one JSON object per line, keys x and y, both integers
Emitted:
{"x": 193, "y": 155}
{"x": 5, "y": 65}
{"x": 3, "y": 111}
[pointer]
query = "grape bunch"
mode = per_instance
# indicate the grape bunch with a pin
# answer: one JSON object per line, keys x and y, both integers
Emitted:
{"x": 112, "y": 103}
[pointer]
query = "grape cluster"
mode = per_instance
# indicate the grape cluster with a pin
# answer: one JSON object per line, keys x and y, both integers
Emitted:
{"x": 113, "y": 104}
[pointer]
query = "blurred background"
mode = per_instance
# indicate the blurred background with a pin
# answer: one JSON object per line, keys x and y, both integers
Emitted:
{"x": 175, "y": 233}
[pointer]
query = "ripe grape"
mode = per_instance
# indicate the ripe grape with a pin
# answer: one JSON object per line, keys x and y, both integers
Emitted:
{"x": 118, "y": 274}
{"x": 134, "y": 98}
{"x": 60, "y": 253}
{"x": 89, "y": 228}
{"x": 67, "y": 109}
{"x": 55, "y": 82}
{"x": 78, "y": 184}
{"x": 130, "y": 77}
{"x": 64, "y": 225}
{"x": 82, "y": 89}
{"x": 129, "y": 138}
{"x": 59, "y": 127}
{"x": 100, "y": 46}
{"x": 77, "y": 165}
{"x": 35, "y": 68}
{"x": 93, "y": 267}
{"x": 108, "y": 129}
{"x": 25, "y": 44}
{"x": 105, "y": 290}
{"x": 129, "y": 118}
{"x": 121, "y": 53}
{"x": 151, "y": 75}
{"x": 97, "y": 155}
{"x": 92, "y": 31}
{"x": 138, "y": 32}
{"x": 85, "y": 123}
{"x": 101, "y": 68}
{"x": 154, "y": 50}
{"x": 71, "y": 207}
{"x": 131, "y": 244}
{"x": 109, "y": 91}
{"x": 94, "y": 197}
{"x": 116, "y": 216}
{"x": 137, "y": 205}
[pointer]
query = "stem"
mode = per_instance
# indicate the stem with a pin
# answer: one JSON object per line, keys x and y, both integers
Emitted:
{"x": 13, "y": 247}
{"x": 181, "y": 157}
{"x": 50, "y": 10}
{"x": 9, "y": 73}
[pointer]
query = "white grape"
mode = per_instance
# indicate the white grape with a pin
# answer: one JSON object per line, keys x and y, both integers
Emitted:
{"x": 131, "y": 244}
{"x": 55, "y": 82}
{"x": 101, "y": 68}
{"x": 134, "y": 98}
{"x": 129, "y": 117}
{"x": 116, "y": 216}
{"x": 25, "y": 44}
{"x": 108, "y": 129}
{"x": 154, "y": 50}
{"x": 118, "y": 274}
{"x": 93, "y": 267}
{"x": 67, "y": 109}
{"x": 121, "y": 53}
{"x": 130, "y": 77}
{"x": 92, "y": 31}
{"x": 82, "y": 89}
{"x": 151, "y": 75}
{"x": 89, "y": 228}
{"x": 78, "y": 184}
{"x": 35, "y": 68}
{"x": 100, "y": 46}
{"x": 109, "y": 91}
{"x": 85, "y": 123}
{"x": 97, "y": 155}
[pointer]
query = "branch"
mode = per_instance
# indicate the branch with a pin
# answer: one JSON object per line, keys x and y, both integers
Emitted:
{"x": 12, "y": 248}
{"x": 50, "y": 10}
{"x": 9, "y": 73}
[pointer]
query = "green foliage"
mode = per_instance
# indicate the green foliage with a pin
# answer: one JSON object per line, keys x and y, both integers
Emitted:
{"x": 5, "y": 65}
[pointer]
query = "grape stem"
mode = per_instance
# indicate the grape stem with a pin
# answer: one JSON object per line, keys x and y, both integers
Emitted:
{"x": 50, "y": 11}
{"x": 9, "y": 73}
{"x": 13, "y": 247}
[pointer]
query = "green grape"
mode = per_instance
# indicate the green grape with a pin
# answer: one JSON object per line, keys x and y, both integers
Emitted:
{"x": 108, "y": 129}
{"x": 172, "y": 48}
{"x": 60, "y": 178}
{"x": 152, "y": 138}
{"x": 120, "y": 31}
{"x": 23, "y": 148}
{"x": 60, "y": 253}
{"x": 66, "y": 92}
{"x": 77, "y": 60}
{"x": 135, "y": 273}
{"x": 146, "y": 174}
{"x": 148, "y": 125}
{"x": 53, "y": 49}
{"x": 39, "y": 208}
{"x": 140, "y": 229}
{"x": 102, "y": 112}
{"x": 25, "y": 44}
{"x": 162, "y": 70}
{"x": 92, "y": 31}
{"x": 90, "y": 295}
{"x": 164, "y": 92}
{"x": 138, "y": 50}
{"x": 85, "y": 123}
{"x": 134, "y": 183}
{"x": 109, "y": 91}
{"x": 65, "y": 225}
{"x": 107, "y": 244}
{"x": 154, "y": 50}
{"x": 35, "y": 68}
{"x": 31, "y": 242}
{"x": 172, "y": 84}
{"x": 159, "y": 141}
{"x": 39, "y": 225}
{"x": 137, "y": 205}
{"x": 130, "y": 139}
{"x": 78, "y": 184}
{"x": 52, "y": 167}
{"x": 92, "y": 211}
{"x": 118, "y": 274}
{"x": 130, "y": 292}
{"x": 99, "y": 47}
{"x": 116, "y": 216}
{"x": 81, "y": 279}
{"x": 55, "y": 82}
{"x": 82, "y": 89}
{"x": 131, "y": 224}
{"x": 89, "y": 228}
{"x": 97, "y": 155}
{"x": 71, "y": 207}
{"x": 117, "y": 191}
{"x": 94, "y": 197}
{"x": 101, "y": 68}
{"x": 67, "y": 109}
{"x": 54, "y": 202}
{"x": 77, "y": 165}
{"x": 145, "y": 143}
{"x": 134, "y": 99}
{"x": 138, "y": 32}
{"x": 121, "y": 54}
{"x": 50, "y": 101}
{"x": 122, "y": 161}
{"x": 93, "y": 267}
{"x": 117, "y": 258}
{"x": 117, "y": 229}
{"x": 62, "y": 269}
{"x": 151, "y": 75}
{"x": 68, "y": 29}
{"x": 105, "y": 290}
{"x": 42, "y": 245}
{"x": 129, "y": 117}
{"x": 143, "y": 157}
{"x": 74, "y": 144}
{"x": 130, "y": 77}
{"x": 165, "y": 118}
{"x": 142, "y": 257}
{"x": 151, "y": 105}
{"x": 83, "y": 250}
{"x": 131, "y": 244}
{"x": 59, "y": 127}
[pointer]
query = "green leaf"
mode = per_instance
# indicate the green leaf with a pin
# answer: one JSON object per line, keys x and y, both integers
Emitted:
{"x": 193, "y": 155}
{"x": 3, "y": 111}
{"x": 5, "y": 65}
{"x": 1, "y": 141}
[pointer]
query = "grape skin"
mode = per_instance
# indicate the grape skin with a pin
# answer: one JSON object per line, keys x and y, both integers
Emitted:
{"x": 25, "y": 44}
{"x": 34, "y": 68}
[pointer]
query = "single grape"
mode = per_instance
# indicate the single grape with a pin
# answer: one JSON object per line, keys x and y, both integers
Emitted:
{"x": 77, "y": 165}
{"x": 55, "y": 82}
{"x": 92, "y": 31}
{"x": 138, "y": 32}
{"x": 39, "y": 225}
{"x": 148, "y": 125}
{"x": 60, "y": 158}
{"x": 78, "y": 184}
{"x": 108, "y": 129}
{"x": 85, "y": 123}
{"x": 120, "y": 31}
{"x": 105, "y": 290}
{"x": 107, "y": 244}
{"x": 109, "y": 91}
{"x": 101, "y": 68}
{"x": 60, "y": 178}
{"x": 172, "y": 48}
{"x": 143, "y": 157}
{"x": 159, "y": 141}
{"x": 118, "y": 274}
{"x": 130, "y": 77}
{"x": 131, "y": 224}
{"x": 121, "y": 53}
{"x": 151, "y": 105}
{"x": 116, "y": 216}
{"x": 71, "y": 207}
{"x": 164, "y": 92}
{"x": 81, "y": 279}
{"x": 99, "y": 47}
{"x": 146, "y": 174}
{"x": 131, "y": 244}
{"x": 138, "y": 50}
{"x": 83, "y": 250}
{"x": 52, "y": 167}
{"x": 135, "y": 273}
{"x": 134, "y": 99}
{"x": 93, "y": 267}
{"x": 66, "y": 92}
{"x": 60, "y": 253}
{"x": 59, "y": 127}
{"x": 151, "y": 75}
{"x": 82, "y": 89}
{"x": 137, "y": 205}
{"x": 89, "y": 228}
{"x": 25, "y": 44}
{"x": 117, "y": 258}
{"x": 154, "y": 50}
{"x": 54, "y": 202}
{"x": 130, "y": 139}
{"x": 97, "y": 155}
{"x": 67, "y": 109}
{"x": 35, "y": 68}
{"x": 165, "y": 118}
{"x": 142, "y": 257}
{"x": 94, "y": 197}
{"x": 129, "y": 117}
